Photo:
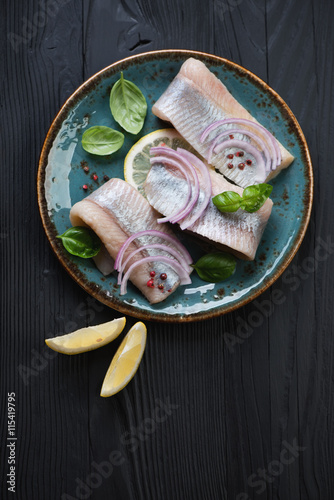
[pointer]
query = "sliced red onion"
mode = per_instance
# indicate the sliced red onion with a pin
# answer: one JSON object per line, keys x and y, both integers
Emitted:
{"x": 179, "y": 257}
{"x": 188, "y": 205}
{"x": 207, "y": 184}
{"x": 255, "y": 137}
{"x": 272, "y": 142}
{"x": 233, "y": 143}
{"x": 152, "y": 232}
{"x": 183, "y": 275}
{"x": 184, "y": 211}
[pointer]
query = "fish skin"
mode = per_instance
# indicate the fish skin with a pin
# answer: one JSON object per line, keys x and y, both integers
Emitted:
{"x": 238, "y": 232}
{"x": 114, "y": 212}
{"x": 195, "y": 99}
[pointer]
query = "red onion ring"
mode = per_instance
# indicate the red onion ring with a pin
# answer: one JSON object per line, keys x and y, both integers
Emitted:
{"x": 165, "y": 248}
{"x": 184, "y": 211}
{"x": 188, "y": 205}
{"x": 183, "y": 275}
{"x": 152, "y": 232}
{"x": 207, "y": 184}
{"x": 272, "y": 142}
{"x": 255, "y": 137}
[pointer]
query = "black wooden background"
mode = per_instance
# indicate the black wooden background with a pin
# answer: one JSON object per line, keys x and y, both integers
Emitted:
{"x": 201, "y": 419}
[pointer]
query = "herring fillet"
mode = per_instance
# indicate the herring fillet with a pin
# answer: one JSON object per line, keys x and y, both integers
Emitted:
{"x": 114, "y": 212}
{"x": 238, "y": 232}
{"x": 195, "y": 99}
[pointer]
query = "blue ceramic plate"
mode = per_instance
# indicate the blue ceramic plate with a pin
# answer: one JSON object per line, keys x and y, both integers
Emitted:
{"x": 61, "y": 177}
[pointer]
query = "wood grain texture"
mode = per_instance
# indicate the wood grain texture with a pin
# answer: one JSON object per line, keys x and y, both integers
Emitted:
{"x": 202, "y": 419}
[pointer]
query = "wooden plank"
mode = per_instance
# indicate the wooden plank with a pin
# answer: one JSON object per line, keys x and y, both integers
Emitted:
{"x": 38, "y": 298}
{"x": 202, "y": 418}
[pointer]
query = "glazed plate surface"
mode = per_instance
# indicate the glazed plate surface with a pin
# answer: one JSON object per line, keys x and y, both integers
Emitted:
{"x": 61, "y": 176}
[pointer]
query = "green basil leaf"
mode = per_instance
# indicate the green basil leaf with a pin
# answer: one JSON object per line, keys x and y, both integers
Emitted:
{"x": 215, "y": 267}
{"x": 228, "y": 201}
{"x": 81, "y": 241}
{"x": 102, "y": 140}
{"x": 128, "y": 105}
{"x": 254, "y": 197}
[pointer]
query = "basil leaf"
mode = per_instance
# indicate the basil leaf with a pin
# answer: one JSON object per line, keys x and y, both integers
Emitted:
{"x": 128, "y": 105}
{"x": 228, "y": 201}
{"x": 254, "y": 197}
{"x": 215, "y": 267}
{"x": 81, "y": 241}
{"x": 102, "y": 140}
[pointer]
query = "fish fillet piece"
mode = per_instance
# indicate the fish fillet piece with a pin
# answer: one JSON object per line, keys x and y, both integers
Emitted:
{"x": 238, "y": 232}
{"x": 104, "y": 262}
{"x": 195, "y": 99}
{"x": 114, "y": 212}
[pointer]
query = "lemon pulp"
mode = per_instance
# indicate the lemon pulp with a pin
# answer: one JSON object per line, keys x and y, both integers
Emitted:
{"x": 137, "y": 161}
{"x": 126, "y": 361}
{"x": 87, "y": 339}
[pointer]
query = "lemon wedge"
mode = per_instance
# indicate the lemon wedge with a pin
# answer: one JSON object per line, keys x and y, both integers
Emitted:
{"x": 137, "y": 161}
{"x": 87, "y": 339}
{"x": 126, "y": 361}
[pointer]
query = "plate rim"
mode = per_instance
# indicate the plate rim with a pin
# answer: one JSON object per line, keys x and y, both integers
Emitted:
{"x": 162, "y": 316}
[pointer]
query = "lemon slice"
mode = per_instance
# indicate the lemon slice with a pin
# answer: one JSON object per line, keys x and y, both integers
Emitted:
{"x": 137, "y": 161}
{"x": 126, "y": 361}
{"x": 87, "y": 339}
